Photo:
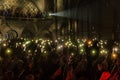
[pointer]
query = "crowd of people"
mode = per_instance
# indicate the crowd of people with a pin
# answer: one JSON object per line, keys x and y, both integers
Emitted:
{"x": 54, "y": 66}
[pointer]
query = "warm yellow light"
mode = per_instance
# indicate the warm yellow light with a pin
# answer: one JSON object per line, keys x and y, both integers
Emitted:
{"x": 8, "y": 51}
{"x": 4, "y": 44}
{"x": 24, "y": 45}
{"x": 103, "y": 51}
{"x": 89, "y": 43}
{"x": 36, "y": 41}
{"x": 115, "y": 49}
{"x": 93, "y": 52}
{"x": 81, "y": 45}
{"x": 114, "y": 55}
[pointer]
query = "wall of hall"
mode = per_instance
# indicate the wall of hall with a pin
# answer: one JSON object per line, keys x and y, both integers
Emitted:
{"x": 104, "y": 15}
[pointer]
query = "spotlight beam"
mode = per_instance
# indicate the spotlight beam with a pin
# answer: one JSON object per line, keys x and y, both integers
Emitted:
{"x": 70, "y": 13}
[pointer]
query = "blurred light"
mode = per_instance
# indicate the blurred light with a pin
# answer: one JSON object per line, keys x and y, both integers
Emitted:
{"x": 81, "y": 45}
{"x": 27, "y": 42}
{"x": 114, "y": 55}
{"x": 94, "y": 39}
{"x": 4, "y": 44}
{"x": 56, "y": 41}
{"x": 84, "y": 40}
{"x": 36, "y": 50}
{"x": 60, "y": 46}
{"x": 50, "y": 14}
{"x": 24, "y": 45}
{"x": 105, "y": 42}
{"x": 29, "y": 51}
{"x": 21, "y": 38}
{"x": 72, "y": 54}
{"x": 62, "y": 40}
{"x": 45, "y": 52}
{"x": 36, "y": 41}
{"x": 20, "y": 43}
{"x": 103, "y": 51}
{"x": 115, "y": 49}
{"x": 82, "y": 50}
{"x": 89, "y": 43}
{"x": 93, "y": 52}
{"x": 32, "y": 40}
{"x": 8, "y": 51}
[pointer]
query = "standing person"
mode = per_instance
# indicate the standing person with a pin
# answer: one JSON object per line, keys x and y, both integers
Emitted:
{"x": 29, "y": 70}
{"x": 116, "y": 71}
{"x": 81, "y": 69}
{"x": 65, "y": 70}
{"x": 105, "y": 74}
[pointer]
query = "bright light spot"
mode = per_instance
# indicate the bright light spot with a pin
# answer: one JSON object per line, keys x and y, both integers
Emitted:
{"x": 94, "y": 39}
{"x": 115, "y": 49}
{"x": 29, "y": 51}
{"x": 89, "y": 43}
{"x": 56, "y": 41}
{"x": 24, "y": 45}
{"x": 20, "y": 43}
{"x": 72, "y": 54}
{"x": 4, "y": 44}
{"x": 103, "y": 51}
{"x": 82, "y": 50}
{"x": 81, "y": 45}
{"x": 27, "y": 42}
{"x": 45, "y": 52}
{"x": 36, "y": 50}
{"x": 60, "y": 46}
{"x": 21, "y": 38}
{"x": 93, "y": 52}
{"x": 36, "y": 41}
{"x": 105, "y": 42}
{"x": 62, "y": 40}
{"x": 8, "y": 51}
{"x": 114, "y": 55}
{"x": 50, "y": 14}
